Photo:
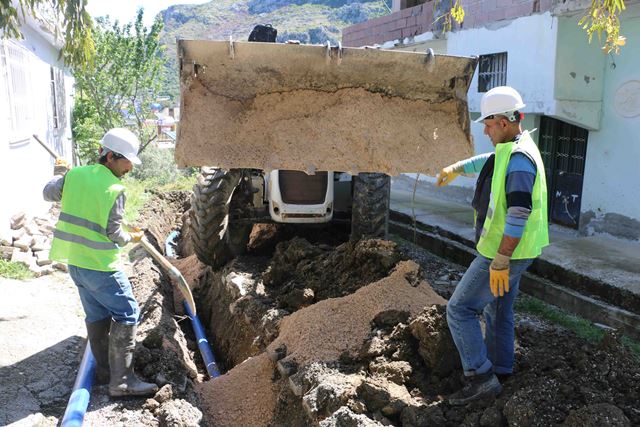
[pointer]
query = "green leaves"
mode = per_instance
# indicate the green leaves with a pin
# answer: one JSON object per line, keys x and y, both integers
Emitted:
{"x": 76, "y": 25}
{"x": 603, "y": 16}
{"x": 118, "y": 86}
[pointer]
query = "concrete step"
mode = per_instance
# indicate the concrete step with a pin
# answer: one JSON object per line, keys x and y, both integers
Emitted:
{"x": 579, "y": 294}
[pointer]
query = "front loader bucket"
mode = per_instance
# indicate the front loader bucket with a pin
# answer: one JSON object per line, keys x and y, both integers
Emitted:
{"x": 302, "y": 107}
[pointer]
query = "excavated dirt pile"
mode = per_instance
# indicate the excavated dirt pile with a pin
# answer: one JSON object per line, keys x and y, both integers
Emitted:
{"x": 353, "y": 334}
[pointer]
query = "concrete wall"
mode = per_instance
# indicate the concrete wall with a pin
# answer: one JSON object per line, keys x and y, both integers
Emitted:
{"x": 24, "y": 165}
{"x": 611, "y": 191}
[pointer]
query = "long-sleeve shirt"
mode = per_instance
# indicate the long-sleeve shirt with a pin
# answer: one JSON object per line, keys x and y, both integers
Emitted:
{"x": 52, "y": 192}
{"x": 521, "y": 175}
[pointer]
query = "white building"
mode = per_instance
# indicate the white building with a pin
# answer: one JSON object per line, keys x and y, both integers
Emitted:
{"x": 584, "y": 103}
{"x": 36, "y": 92}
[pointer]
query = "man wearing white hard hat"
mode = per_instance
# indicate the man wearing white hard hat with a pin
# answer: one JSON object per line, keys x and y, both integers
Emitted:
{"x": 88, "y": 237}
{"x": 510, "y": 203}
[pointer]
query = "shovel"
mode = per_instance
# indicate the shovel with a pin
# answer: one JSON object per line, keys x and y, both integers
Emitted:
{"x": 173, "y": 272}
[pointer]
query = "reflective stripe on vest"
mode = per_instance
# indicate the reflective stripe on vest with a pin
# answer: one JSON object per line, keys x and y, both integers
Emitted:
{"x": 536, "y": 230}
{"x": 80, "y": 238}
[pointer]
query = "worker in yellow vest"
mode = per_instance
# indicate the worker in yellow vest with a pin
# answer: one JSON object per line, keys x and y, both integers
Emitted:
{"x": 510, "y": 204}
{"x": 88, "y": 237}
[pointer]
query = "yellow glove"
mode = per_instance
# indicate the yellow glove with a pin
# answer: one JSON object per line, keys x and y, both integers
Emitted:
{"x": 499, "y": 275}
{"x": 61, "y": 167}
{"x": 136, "y": 234}
{"x": 447, "y": 175}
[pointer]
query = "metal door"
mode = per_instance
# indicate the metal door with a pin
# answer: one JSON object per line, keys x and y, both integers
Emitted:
{"x": 563, "y": 148}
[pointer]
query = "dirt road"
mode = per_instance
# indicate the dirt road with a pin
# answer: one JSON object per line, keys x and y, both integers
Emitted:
{"x": 43, "y": 332}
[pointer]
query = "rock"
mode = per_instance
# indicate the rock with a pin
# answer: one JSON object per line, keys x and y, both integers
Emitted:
{"x": 151, "y": 405}
{"x": 390, "y": 318}
{"x": 40, "y": 243}
{"x": 6, "y": 237}
{"x": 397, "y": 371}
{"x": 18, "y": 220}
{"x": 422, "y": 415}
{"x": 179, "y": 413}
{"x": 23, "y": 243}
{"x": 61, "y": 266}
{"x": 41, "y": 271}
{"x": 345, "y": 417}
{"x": 296, "y": 299}
{"x": 36, "y": 420}
{"x": 436, "y": 345}
{"x": 164, "y": 394}
{"x": 383, "y": 395}
{"x": 42, "y": 258}
{"x": 6, "y": 252}
{"x": 600, "y": 414}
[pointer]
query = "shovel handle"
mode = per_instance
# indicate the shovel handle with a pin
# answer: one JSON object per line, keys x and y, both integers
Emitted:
{"x": 46, "y": 147}
{"x": 182, "y": 284}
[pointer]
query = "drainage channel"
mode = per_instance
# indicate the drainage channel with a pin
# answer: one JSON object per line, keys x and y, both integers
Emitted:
{"x": 460, "y": 251}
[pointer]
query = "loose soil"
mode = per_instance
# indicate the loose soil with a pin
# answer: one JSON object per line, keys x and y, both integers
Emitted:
{"x": 311, "y": 329}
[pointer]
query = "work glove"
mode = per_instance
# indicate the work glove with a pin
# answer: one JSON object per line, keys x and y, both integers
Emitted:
{"x": 61, "y": 166}
{"x": 448, "y": 174}
{"x": 499, "y": 275}
{"x": 136, "y": 234}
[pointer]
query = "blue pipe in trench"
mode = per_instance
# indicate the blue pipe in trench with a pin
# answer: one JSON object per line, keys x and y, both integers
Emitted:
{"x": 203, "y": 343}
{"x": 79, "y": 400}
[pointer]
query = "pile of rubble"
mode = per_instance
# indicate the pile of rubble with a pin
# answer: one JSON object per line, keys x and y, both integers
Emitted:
{"x": 29, "y": 240}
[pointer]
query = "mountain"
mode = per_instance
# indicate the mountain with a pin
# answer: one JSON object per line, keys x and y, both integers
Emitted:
{"x": 309, "y": 21}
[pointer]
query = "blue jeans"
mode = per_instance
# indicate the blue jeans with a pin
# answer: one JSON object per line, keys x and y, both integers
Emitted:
{"x": 473, "y": 297}
{"x": 105, "y": 294}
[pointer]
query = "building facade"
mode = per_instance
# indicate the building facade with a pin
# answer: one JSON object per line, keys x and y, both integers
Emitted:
{"x": 585, "y": 104}
{"x": 36, "y": 92}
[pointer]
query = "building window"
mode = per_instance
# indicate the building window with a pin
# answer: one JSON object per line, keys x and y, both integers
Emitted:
{"x": 54, "y": 99}
{"x": 492, "y": 71}
{"x": 17, "y": 71}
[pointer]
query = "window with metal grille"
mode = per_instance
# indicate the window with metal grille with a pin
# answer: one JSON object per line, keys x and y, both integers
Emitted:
{"x": 563, "y": 148}
{"x": 492, "y": 71}
{"x": 17, "y": 72}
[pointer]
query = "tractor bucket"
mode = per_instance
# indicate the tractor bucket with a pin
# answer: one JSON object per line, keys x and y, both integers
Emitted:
{"x": 302, "y": 107}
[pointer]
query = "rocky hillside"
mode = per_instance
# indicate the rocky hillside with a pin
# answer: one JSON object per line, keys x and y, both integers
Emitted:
{"x": 309, "y": 21}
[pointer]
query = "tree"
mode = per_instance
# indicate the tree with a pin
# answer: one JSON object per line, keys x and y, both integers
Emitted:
{"x": 76, "y": 25}
{"x": 121, "y": 83}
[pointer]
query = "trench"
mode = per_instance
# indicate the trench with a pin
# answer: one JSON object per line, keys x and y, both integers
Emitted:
{"x": 285, "y": 326}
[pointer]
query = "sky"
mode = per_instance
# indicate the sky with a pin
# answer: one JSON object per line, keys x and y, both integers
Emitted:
{"x": 125, "y": 10}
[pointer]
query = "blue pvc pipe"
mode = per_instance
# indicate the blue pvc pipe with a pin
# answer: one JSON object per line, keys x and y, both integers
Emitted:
{"x": 203, "y": 343}
{"x": 79, "y": 400}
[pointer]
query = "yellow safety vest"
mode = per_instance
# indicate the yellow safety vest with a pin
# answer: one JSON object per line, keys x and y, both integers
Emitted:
{"x": 536, "y": 230}
{"x": 80, "y": 238}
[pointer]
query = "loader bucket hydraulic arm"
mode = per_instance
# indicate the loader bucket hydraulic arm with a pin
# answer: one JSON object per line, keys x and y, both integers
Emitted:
{"x": 302, "y": 107}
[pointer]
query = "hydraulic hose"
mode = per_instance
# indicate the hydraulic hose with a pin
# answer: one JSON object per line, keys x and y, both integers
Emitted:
{"x": 79, "y": 400}
{"x": 203, "y": 343}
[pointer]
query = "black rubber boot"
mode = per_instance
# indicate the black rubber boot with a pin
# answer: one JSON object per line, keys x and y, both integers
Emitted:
{"x": 124, "y": 382}
{"x": 478, "y": 387}
{"x": 98, "y": 334}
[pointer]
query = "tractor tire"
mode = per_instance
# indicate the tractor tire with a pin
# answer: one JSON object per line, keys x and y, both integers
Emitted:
{"x": 370, "y": 206}
{"x": 209, "y": 214}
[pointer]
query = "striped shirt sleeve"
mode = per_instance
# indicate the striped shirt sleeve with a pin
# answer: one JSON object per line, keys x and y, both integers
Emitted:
{"x": 471, "y": 165}
{"x": 521, "y": 175}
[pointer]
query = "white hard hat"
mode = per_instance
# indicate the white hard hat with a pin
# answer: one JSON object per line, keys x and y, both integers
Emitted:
{"x": 122, "y": 141}
{"x": 500, "y": 100}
